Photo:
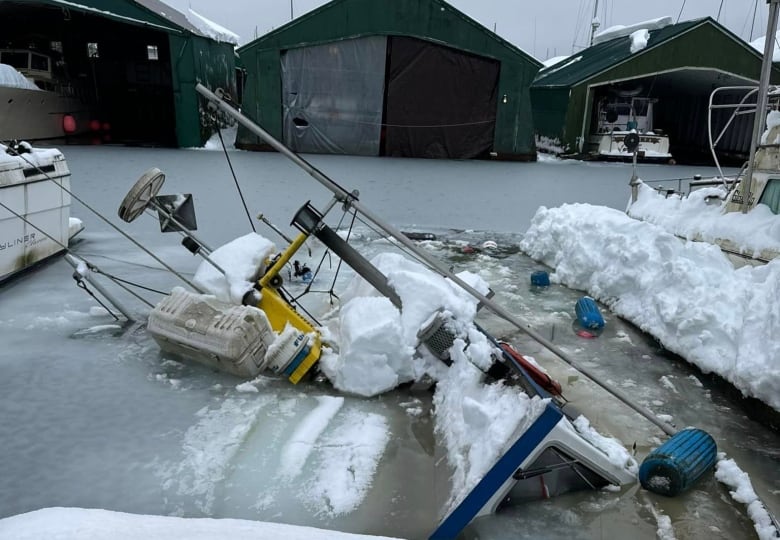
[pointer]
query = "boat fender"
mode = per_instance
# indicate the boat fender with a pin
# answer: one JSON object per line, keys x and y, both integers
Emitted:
{"x": 540, "y": 278}
{"x": 677, "y": 464}
{"x": 588, "y": 313}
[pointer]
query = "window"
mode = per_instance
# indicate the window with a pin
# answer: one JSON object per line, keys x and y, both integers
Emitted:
{"x": 92, "y": 50}
{"x": 56, "y": 46}
{"x": 151, "y": 52}
{"x": 771, "y": 195}
{"x": 39, "y": 62}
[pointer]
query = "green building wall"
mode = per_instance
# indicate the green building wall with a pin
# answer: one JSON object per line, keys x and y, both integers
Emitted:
{"x": 195, "y": 59}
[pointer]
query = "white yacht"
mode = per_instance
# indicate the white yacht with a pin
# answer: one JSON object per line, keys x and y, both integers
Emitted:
{"x": 619, "y": 116}
{"x": 35, "y": 103}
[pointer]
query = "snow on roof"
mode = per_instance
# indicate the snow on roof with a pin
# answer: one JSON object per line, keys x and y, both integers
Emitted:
{"x": 758, "y": 44}
{"x": 9, "y": 77}
{"x": 617, "y": 31}
{"x": 554, "y": 60}
{"x": 211, "y": 29}
{"x": 639, "y": 40}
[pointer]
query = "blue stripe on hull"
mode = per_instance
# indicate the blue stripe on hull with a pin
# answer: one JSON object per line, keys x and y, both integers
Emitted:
{"x": 292, "y": 366}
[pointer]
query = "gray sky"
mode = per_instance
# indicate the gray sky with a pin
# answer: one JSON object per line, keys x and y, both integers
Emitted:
{"x": 541, "y": 28}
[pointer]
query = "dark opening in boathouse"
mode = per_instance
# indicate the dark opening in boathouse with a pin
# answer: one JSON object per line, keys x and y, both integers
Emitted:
{"x": 133, "y": 63}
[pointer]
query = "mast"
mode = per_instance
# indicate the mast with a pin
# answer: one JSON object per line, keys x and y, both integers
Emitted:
{"x": 761, "y": 101}
{"x": 594, "y": 22}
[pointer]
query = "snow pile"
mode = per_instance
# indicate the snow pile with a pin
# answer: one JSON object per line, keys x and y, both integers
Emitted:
{"x": 348, "y": 456}
{"x": 228, "y": 136}
{"x": 88, "y": 524}
{"x": 618, "y": 31}
{"x": 693, "y": 217}
{"x": 243, "y": 259}
{"x": 209, "y": 448}
{"x": 301, "y": 443}
{"x": 11, "y": 78}
{"x": 686, "y": 294}
{"x": 639, "y": 40}
{"x": 772, "y": 122}
{"x": 727, "y": 472}
{"x": 758, "y": 44}
{"x": 378, "y": 341}
{"x": 211, "y": 29}
{"x": 476, "y": 420}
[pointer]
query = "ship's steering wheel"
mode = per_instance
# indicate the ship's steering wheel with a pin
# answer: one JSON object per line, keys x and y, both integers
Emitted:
{"x": 141, "y": 194}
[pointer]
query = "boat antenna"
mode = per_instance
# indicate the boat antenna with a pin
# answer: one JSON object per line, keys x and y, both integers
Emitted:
{"x": 763, "y": 88}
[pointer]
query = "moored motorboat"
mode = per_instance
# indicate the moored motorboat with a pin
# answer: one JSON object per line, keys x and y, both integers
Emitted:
{"x": 35, "y": 221}
{"x": 35, "y": 102}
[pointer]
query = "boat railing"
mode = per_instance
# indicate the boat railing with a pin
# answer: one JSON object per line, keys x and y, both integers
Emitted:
{"x": 738, "y": 109}
{"x": 685, "y": 185}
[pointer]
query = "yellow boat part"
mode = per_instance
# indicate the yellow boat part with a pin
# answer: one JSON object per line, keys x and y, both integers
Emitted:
{"x": 280, "y": 313}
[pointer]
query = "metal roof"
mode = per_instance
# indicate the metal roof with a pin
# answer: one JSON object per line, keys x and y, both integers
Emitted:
{"x": 148, "y": 13}
{"x": 447, "y": 10}
{"x": 590, "y": 62}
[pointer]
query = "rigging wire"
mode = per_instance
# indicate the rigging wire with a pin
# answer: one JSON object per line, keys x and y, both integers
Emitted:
{"x": 578, "y": 22}
{"x": 80, "y": 284}
{"x": 91, "y": 266}
{"x": 235, "y": 180}
{"x": 753, "y": 24}
{"x": 682, "y": 7}
{"x": 719, "y": 10}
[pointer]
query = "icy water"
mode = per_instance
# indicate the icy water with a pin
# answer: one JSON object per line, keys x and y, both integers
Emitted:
{"x": 94, "y": 416}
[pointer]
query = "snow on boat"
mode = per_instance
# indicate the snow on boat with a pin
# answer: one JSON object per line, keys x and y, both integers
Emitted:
{"x": 741, "y": 213}
{"x": 35, "y": 221}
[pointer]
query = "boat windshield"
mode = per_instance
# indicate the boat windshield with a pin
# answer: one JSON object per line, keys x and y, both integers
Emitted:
{"x": 771, "y": 195}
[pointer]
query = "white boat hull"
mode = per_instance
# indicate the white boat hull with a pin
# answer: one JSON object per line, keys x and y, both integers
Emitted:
{"x": 34, "y": 115}
{"x": 611, "y": 146}
{"x": 41, "y": 202}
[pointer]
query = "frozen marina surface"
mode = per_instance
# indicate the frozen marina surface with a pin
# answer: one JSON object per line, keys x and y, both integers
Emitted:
{"x": 94, "y": 419}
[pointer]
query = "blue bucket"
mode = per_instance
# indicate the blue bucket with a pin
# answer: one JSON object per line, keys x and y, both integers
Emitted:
{"x": 588, "y": 313}
{"x": 677, "y": 464}
{"x": 540, "y": 278}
